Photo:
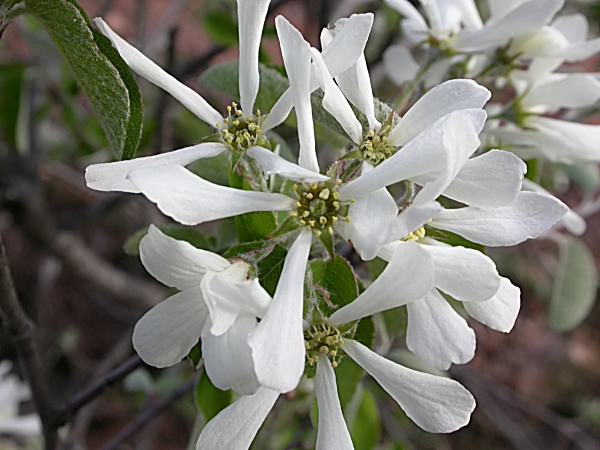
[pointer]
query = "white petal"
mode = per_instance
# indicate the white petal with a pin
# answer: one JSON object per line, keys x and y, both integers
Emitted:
{"x": 348, "y": 45}
{"x": 190, "y": 200}
{"x": 334, "y": 101}
{"x": 399, "y": 64}
{"x": 167, "y": 333}
{"x": 113, "y": 176}
{"x": 528, "y": 216}
{"x": 278, "y": 342}
{"x": 450, "y": 96}
{"x": 177, "y": 263}
{"x": 566, "y": 91}
{"x": 460, "y": 141}
{"x": 501, "y": 311}
{"x": 412, "y": 218}
{"x": 578, "y": 140}
{"x": 371, "y": 218}
{"x": 413, "y": 23}
{"x": 572, "y": 221}
{"x": 355, "y": 83}
{"x": 297, "y": 57}
{"x": 235, "y": 427}
{"x": 436, "y": 404}
{"x": 526, "y": 17}
{"x": 227, "y": 297}
{"x": 437, "y": 334}
{"x": 341, "y": 53}
{"x": 488, "y": 181}
{"x": 251, "y": 18}
{"x": 407, "y": 277}
{"x": 153, "y": 73}
{"x": 22, "y": 425}
{"x": 332, "y": 433}
{"x": 465, "y": 274}
{"x": 271, "y": 164}
{"x": 227, "y": 358}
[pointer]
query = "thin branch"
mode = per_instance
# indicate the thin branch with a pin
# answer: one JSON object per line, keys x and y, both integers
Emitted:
{"x": 148, "y": 415}
{"x": 98, "y": 387}
{"x": 21, "y": 332}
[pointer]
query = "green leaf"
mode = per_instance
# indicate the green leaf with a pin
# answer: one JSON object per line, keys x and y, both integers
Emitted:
{"x": 11, "y": 82}
{"x": 348, "y": 376}
{"x": 136, "y": 116}
{"x": 209, "y": 399}
{"x": 335, "y": 283}
{"x": 251, "y": 226}
{"x": 105, "y": 79}
{"x": 195, "y": 355}
{"x": 224, "y": 78}
{"x": 220, "y": 27}
{"x": 366, "y": 426}
{"x": 575, "y": 284}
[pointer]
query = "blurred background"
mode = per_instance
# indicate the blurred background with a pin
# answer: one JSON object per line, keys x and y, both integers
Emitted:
{"x": 78, "y": 277}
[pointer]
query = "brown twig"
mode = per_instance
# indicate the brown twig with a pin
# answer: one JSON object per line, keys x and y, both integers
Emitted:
{"x": 21, "y": 332}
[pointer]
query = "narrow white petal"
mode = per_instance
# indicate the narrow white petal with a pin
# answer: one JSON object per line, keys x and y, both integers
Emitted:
{"x": 297, "y": 57}
{"x": 332, "y": 433}
{"x": 177, "y": 263}
{"x": 501, "y": 311}
{"x": 450, "y": 96}
{"x": 167, "y": 333}
{"x": 578, "y": 140}
{"x": 488, "y": 181}
{"x": 273, "y": 164}
{"x": 371, "y": 218}
{"x": 348, "y": 45}
{"x": 153, "y": 73}
{"x": 251, "y": 19}
{"x": 407, "y": 277}
{"x": 437, "y": 334}
{"x": 355, "y": 83}
{"x": 412, "y": 218}
{"x": 436, "y": 404}
{"x": 190, "y": 200}
{"x": 334, "y": 101}
{"x": 278, "y": 342}
{"x": 113, "y": 176}
{"x": 341, "y": 53}
{"x": 227, "y": 358}
{"x": 525, "y": 218}
{"x": 465, "y": 274}
{"x": 235, "y": 427}
{"x": 566, "y": 91}
{"x": 22, "y": 425}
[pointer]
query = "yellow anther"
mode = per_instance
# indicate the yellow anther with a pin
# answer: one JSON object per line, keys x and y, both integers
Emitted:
{"x": 305, "y": 214}
{"x": 322, "y": 220}
{"x": 330, "y": 230}
{"x": 324, "y": 194}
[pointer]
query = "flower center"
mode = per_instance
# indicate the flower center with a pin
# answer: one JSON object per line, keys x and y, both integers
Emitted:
{"x": 318, "y": 206}
{"x": 419, "y": 233}
{"x": 238, "y": 132}
{"x": 321, "y": 340}
{"x": 375, "y": 147}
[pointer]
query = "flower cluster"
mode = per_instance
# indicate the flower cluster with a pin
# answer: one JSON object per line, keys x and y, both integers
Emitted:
{"x": 261, "y": 345}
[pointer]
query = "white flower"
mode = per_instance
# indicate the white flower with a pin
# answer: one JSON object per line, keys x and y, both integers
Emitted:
{"x": 12, "y": 392}
{"x": 456, "y": 28}
{"x": 124, "y": 176}
{"x": 534, "y": 135}
{"x": 217, "y": 302}
{"x": 436, "y": 333}
{"x": 436, "y": 404}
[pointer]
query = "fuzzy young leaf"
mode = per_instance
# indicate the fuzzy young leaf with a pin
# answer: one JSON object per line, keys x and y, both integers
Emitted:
{"x": 115, "y": 101}
{"x": 575, "y": 285}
